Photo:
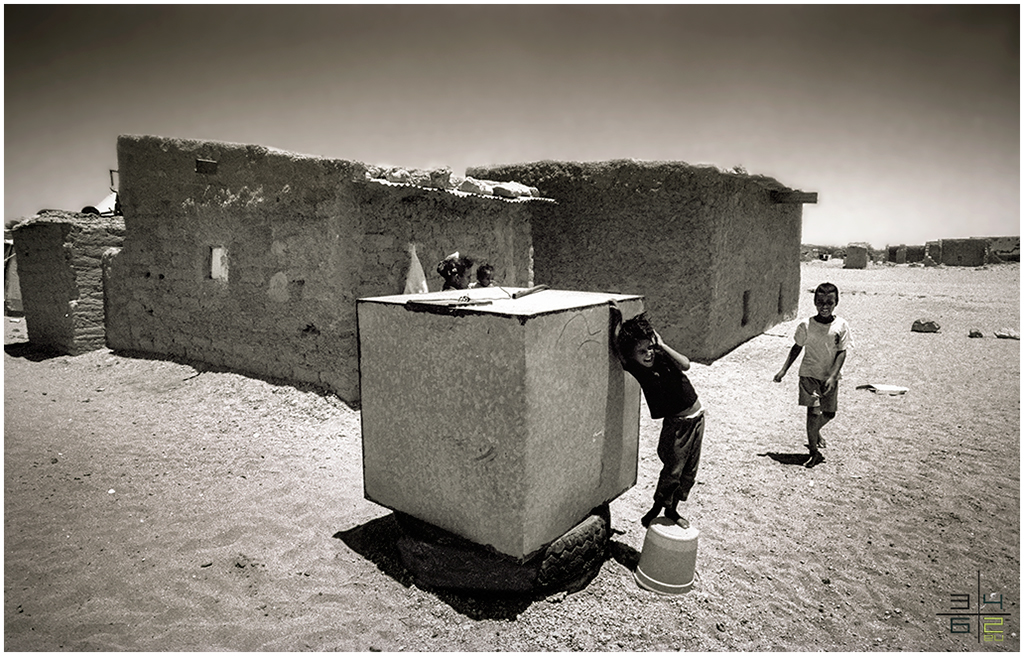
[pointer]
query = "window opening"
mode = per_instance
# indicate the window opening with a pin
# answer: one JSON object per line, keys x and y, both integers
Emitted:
{"x": 218, "y": 263}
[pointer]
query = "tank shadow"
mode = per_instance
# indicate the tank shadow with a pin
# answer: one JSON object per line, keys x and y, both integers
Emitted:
{"x": 377, "y": 541}
{"x": 786, "y": 458}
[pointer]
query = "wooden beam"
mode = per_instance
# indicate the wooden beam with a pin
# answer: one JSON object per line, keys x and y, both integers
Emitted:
{"x": 794, "y": 196}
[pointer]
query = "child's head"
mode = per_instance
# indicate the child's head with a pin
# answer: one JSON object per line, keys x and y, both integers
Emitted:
{"x": 485, "y": 275}
{"x": 455, "y": 270}
{"x": 636, "y": 340}
{"x": 826, "y": 298}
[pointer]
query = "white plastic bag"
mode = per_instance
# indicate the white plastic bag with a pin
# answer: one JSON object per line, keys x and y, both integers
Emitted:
{"x": 415, "y": 280}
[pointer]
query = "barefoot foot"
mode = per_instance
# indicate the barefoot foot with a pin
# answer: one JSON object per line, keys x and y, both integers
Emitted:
{"x": 646, "y": 520}
{"x": 674, "y": 515}
{"x": 815, "y": 459}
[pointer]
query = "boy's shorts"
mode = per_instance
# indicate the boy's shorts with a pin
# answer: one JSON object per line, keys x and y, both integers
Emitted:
{"x": 812, "y": 395}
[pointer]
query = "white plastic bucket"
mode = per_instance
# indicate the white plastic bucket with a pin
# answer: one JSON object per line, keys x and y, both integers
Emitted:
{"x": 669, "y": 558}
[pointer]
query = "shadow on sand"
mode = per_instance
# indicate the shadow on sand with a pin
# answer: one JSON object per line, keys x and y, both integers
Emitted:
{"x": 624, "y": 555}
{"x": 786, "y": 458}
{"x": 377, "y": 541}
{"x": 32, "y": 352}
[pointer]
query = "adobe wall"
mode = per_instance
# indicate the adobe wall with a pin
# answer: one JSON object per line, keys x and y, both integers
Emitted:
{"x": 964, "y": 252}
{"x": 916, "y": 253}
{"x": 693, "y": 240}
{"x": 1006, "y": 249}
{"x": 904, "y": 254}
{"x": 59, "y": 257}
{"x": 897, "y": 254}
{"x": 391, "y": 216}
{"x": 756, "y": 258}
{"x": 253, "y": 258}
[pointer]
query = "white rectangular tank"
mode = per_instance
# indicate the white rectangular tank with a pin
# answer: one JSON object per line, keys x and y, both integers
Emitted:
{"x": 502, "y": 420}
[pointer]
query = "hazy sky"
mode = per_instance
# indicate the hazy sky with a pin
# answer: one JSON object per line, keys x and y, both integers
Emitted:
{"x": 904, "y": 119}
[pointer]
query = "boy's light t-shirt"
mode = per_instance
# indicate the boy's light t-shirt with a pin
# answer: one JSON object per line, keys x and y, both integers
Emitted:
{"x": 821, "y": 342}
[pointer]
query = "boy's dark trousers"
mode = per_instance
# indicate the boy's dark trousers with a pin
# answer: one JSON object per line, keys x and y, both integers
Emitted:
{"x": 679, "y": 450}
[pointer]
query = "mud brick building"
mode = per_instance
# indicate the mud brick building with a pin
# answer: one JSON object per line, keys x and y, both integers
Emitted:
{"x": 973, "y": 251}
{"x": 716, "y": 254}
{"x": 60, "y": 256}
{"x": 253, "y": 258}
{"x": 964, "y": 252}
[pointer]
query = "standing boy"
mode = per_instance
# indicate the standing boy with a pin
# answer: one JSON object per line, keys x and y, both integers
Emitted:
{"x": 826, "y": 337}
{"x": 659, "y": 370}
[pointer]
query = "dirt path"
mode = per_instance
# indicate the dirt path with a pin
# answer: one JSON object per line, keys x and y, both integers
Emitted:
{"x": 151, "y": 505}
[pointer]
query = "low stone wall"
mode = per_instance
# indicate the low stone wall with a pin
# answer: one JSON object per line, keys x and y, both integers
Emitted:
{"x": 716, "y": 255}
{"x": 60, "y": 268}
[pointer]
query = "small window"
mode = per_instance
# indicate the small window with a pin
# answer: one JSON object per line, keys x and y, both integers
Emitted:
{"x": 782, "y": 308}
{"x": 746, "y": 308}
{"x": 206, "y": 166}
{"x": 218, "y": 263}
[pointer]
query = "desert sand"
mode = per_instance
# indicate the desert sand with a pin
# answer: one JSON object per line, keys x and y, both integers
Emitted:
{"x": 152, "y": 505}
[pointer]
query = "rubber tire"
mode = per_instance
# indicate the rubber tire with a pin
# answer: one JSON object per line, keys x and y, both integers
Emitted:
{"x": 578, "y": 552}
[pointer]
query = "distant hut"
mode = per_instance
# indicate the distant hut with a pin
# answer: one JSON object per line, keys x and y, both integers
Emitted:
{"x": 856, "y": 256}
{"x": 964, "y": 252}
{"x": 898, "y": 254}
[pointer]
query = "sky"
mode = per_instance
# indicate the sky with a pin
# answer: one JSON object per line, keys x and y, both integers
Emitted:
{"x": 904, "y": 119}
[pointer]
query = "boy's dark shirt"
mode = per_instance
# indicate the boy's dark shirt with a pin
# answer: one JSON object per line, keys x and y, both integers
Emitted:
{"x": 667, "y": 389}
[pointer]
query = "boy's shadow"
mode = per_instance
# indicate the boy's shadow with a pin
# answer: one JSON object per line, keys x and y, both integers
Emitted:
{"x": 786, "y": 458}
{"x": 377, "y": 541}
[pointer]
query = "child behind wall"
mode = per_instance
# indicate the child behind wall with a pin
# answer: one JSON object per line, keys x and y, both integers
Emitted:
{"x": 484, "y": 276}
{"x": 455, "y": 271}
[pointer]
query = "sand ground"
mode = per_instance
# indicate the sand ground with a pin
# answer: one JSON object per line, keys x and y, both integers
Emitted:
{"x": 152, "y": 505}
